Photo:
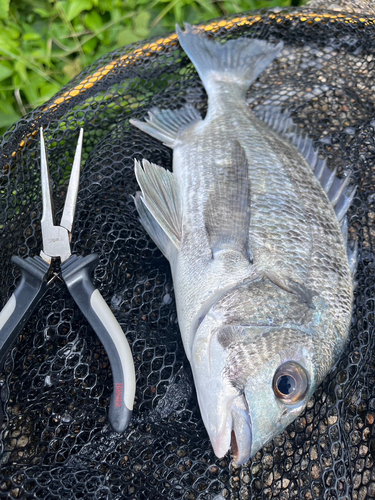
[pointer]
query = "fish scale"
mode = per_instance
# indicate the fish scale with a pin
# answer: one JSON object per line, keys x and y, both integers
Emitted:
{"x": 260, "y": 269}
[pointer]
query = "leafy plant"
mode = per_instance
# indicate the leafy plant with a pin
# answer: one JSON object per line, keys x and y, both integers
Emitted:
{"x": 45, "y": 43}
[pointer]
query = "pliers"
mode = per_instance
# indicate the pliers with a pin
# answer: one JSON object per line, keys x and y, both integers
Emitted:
{"x": 37, "y": 276}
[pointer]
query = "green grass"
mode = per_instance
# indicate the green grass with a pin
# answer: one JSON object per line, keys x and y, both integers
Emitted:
{"x": 45, "y": 43}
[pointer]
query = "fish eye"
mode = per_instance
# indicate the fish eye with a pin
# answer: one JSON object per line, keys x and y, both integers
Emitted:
{"x": 290, "y": 382}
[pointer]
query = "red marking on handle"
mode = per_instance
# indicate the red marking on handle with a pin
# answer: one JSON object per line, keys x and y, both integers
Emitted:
{"x": 118, "y": 391}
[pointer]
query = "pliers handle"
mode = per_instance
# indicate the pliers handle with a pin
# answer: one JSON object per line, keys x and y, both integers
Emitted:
{"x": 76, "y": 273}
{"x": 31, "y": 288}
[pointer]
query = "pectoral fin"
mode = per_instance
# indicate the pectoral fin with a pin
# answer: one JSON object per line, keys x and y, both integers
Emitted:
{"x": 227, "y": 213}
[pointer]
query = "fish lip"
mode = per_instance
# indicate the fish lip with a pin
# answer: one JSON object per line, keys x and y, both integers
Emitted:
{"x": 235, "y": 449}
{"x": 223, "y": 406}
{"x": 236, "y": 434}
{"x": 241, "y": 435}
{"x": 241, "y": 451}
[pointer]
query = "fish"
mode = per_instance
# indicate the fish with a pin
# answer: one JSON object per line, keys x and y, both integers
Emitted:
{"x": 254, "y": 225}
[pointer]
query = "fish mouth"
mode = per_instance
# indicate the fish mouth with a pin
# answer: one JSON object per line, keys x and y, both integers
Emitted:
{"x": 241, "y": 435}
{"x": 236, "y": 433}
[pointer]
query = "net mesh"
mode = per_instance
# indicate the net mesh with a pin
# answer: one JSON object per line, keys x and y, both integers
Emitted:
{"x": 56, "y": 382}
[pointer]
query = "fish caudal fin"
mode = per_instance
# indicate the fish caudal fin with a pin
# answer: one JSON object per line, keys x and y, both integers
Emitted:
{"x": 159, "y": 205}
{"x": 238, "y": 61}
{"x": 165, "y": 124}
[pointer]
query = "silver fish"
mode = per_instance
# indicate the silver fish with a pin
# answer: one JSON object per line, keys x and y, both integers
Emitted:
{"x": 254, "y": 228}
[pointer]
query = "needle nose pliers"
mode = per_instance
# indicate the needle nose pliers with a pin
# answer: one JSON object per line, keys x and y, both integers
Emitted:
{"x": 37, "y": 276}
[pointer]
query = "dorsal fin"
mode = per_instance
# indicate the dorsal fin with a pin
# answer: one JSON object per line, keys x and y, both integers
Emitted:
{"x": 337, "y": 191}
{"x": 281, "y": 122}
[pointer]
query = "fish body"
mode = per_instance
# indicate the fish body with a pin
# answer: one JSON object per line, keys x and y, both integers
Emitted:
{"x": 260, "y": 268}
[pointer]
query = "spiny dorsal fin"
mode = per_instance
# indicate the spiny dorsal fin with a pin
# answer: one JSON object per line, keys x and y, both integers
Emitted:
{"x": 336, "y": 189}
{"x": 227, "y": 212}
{"x": 160, "y": 195}
{"x": 164, "y": 124}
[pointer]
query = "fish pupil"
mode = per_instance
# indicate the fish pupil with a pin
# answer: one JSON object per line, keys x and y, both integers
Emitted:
{"x": 286, "y": 385}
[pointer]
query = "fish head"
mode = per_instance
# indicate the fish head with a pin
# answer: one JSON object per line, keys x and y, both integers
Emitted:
{"x": 251, "y": 382}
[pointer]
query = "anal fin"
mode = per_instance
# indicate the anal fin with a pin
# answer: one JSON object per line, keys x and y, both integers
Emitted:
{"x": 160, "y": 197}
{"x": 159, "y": 237}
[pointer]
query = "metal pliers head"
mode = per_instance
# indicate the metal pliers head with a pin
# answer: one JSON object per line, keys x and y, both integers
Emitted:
{"x": 56, "y": 239}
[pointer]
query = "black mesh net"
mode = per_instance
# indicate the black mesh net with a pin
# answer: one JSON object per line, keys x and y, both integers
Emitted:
{"x": 56, "y": 441}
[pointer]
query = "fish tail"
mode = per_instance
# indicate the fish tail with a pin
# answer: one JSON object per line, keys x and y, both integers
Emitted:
{"x": 238, "y": 61}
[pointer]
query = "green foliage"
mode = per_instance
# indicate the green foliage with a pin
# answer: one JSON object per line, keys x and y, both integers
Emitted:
{"x": 4, "y": 8}
{"x": 45, "y": 43}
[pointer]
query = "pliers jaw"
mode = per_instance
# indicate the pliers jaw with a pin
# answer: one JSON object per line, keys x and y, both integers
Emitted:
{"x": 56, "y": 239}
{"x": 55, "y": 244}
